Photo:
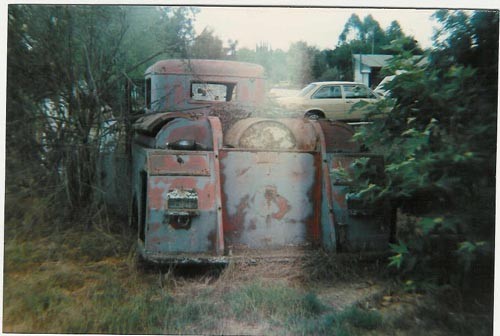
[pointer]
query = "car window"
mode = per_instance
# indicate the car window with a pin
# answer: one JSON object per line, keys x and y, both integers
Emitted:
{"x": 306, "y": 90}
{"x": 358, "y": 91}
{"x": 328, "y": 92}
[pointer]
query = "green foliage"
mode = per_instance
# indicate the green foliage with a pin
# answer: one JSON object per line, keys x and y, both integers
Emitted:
{"x": 401, "y": 249}
{"x": 67, "y": 67}
{"x": 367, "y": 37}
{"x": 469, "y": 252}
{"x": 439, "y": 142}
{"x": 207, "y": 46}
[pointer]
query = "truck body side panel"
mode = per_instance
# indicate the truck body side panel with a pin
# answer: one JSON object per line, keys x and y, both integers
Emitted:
{"x": 182, "y": 205}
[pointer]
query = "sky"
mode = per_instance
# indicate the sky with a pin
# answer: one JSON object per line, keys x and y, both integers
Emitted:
{"x": 320, "y": 27}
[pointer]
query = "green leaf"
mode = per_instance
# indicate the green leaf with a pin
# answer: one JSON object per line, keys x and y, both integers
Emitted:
{"x": 470, "y": 247}
{"x": 428, "y": 224}
{"x": 396, "y": 261}
{"x": 400, "y": 248}
{"x": 466, "y": 247}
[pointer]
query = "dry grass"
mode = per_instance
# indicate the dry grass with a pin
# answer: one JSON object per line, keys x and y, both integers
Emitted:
{"x": 71, "y": 281}
{"x": 52, "y": 285}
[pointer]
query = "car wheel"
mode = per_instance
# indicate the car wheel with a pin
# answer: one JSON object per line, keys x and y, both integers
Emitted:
{"x": 314, "y": 115}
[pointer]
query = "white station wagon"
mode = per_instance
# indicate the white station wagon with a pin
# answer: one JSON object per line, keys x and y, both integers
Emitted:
{"x": 331, "y": 100}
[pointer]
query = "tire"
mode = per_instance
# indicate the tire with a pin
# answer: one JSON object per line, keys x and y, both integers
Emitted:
{"x": 314, "y": 115}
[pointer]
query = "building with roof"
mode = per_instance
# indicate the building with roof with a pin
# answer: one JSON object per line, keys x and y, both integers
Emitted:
{"x": 367, "y": 67}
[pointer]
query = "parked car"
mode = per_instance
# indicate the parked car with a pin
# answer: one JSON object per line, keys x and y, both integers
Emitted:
{"x": 331, "y": 100}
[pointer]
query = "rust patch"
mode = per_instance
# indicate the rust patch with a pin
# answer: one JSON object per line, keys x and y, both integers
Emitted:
{"x": 271, "y": 195}
{"x": 206, "y": 197}
{"x": 184, "y": 183}
{"x": 179, "y": 164}
{"x": 155, "y": 197}
{"x": 236, "y": 223}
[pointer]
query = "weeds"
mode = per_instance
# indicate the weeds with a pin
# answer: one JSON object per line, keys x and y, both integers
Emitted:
{"x": 332, "y": 267}
{"x": 361, "y": 318}
{"x": 351, "y": 321}
{"x": 83, "y": 281}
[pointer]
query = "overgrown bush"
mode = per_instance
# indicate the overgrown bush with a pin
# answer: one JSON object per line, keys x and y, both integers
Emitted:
{"x": 439, "y": 142}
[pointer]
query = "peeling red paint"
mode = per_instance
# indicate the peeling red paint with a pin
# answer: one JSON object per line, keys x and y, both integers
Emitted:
{"x": 244, "y": 197}
{"x": 197, "y": 164}
{"x": 284, "y": 187}
{"x": 235, "y": 224}
{"x": 155, "y": 197}
{"x": 271, "y": 195}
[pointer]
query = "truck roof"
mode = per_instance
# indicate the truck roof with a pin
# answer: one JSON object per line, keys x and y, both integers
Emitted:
{"x": 207, "y": 68}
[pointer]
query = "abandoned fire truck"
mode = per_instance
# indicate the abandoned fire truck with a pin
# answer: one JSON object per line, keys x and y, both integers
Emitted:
{"x": 204, "y": 192}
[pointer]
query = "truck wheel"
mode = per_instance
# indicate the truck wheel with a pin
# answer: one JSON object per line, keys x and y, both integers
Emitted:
{"x": 314, "y": 115}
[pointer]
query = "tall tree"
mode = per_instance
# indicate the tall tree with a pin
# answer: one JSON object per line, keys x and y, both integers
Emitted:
{"x": 300, "y": 63}
{"x": 368, "y": 32}
{"x": 394, "y": 31}
{"x": 207, "y": 46}
{"x": 366, "y": 37}
{"x": 66, "y": 65}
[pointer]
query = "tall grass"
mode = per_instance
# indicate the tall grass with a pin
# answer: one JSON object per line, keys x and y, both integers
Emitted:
{"x": 273, "y": 301}
{"x": 109, "y": 296}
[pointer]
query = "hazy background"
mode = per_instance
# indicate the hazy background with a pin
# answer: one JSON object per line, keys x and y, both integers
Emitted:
{"x": 320, "y": 27}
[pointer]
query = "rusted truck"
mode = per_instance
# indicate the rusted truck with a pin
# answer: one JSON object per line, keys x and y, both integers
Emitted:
{"x": 205, "y": 192}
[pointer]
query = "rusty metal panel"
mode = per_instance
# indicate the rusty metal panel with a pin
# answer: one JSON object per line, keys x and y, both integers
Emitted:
{"x": 183, "y": 210}
{"x": 182, "y": 163}
{"x": 150, "y": 124}
{"x": 164, "y": 233}
{"x": 361, "y": 227}
{"x": 264, "y": 133}
{"x": 198, "y": 130}
{"x": 207, "y": 68}
{"x": 171, "y": 82}
{"x": 268, "y": 198}
{"x": 216, "y": 126}
{"x": 338, "y": 137}
{"x": 329, "y": 229}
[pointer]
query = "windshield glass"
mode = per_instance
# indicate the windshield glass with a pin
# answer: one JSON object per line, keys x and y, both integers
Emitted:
{"x": 306, "y": 90}
{"x": 212, "y": 91}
